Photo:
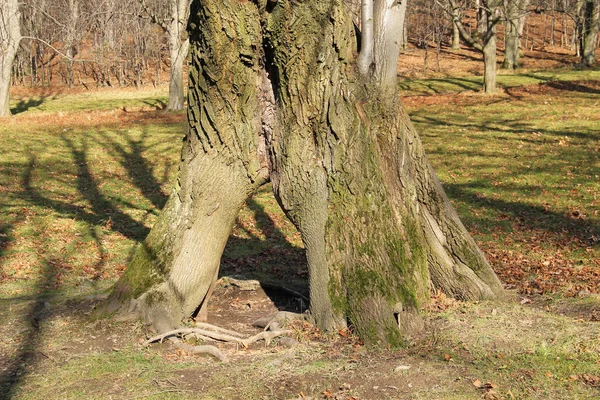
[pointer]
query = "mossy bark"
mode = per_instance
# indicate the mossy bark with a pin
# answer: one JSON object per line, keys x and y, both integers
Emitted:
{"x": 346, "y": 164}
{"x": 223, "y": 161}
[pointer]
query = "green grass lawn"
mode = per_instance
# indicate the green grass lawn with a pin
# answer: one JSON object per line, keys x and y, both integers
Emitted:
{"x": 82, "y": 181}
{"x": 523, "y": 169}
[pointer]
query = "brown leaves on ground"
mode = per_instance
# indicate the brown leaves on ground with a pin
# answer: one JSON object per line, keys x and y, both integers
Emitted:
{"x": 487, "y": 388}
{"x": 553, "y": 274}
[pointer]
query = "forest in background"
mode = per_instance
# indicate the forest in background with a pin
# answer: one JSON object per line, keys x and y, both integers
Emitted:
{"x": 110, "y": 43}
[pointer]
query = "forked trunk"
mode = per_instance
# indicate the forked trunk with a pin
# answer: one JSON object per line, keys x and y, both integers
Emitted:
{"x": 515, "y": 20}
{"x": 346, "y": 164}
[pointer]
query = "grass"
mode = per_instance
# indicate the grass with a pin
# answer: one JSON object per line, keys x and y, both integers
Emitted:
{"x": 82, "y": 181}
{"x": 505, "y": 79}
{"x": 78, "y": 192}
{"x": 52, "y": 101}
{"x": 524, "y": 172}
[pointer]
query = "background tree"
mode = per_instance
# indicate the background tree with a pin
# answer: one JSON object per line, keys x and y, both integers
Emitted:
{"x": 10, "y": 38}
{"x": 591, "y": 24}
{"x": 515, "y": 12}
{"x": 172, "y": 17}
{"x": 429, "y": 24}
{"x": 346, "y": 165}
{"x": 484, "y": 38}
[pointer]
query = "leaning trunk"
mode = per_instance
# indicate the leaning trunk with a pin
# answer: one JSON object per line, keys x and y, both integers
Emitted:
{"x": 346, "y": 164}
{"x": 10, "y": 37}
{"x": 590, "y": 32}
{"x": 223, "y": 162}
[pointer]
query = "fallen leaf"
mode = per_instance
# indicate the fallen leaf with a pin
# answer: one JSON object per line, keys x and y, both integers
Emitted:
{"x": 477, "y": 383}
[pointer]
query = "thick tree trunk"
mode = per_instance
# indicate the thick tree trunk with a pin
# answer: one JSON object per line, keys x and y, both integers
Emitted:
{"x": 10, "y": 37}
{"x": 223, "y": 162}
{"x": 590, "y": 32}
{"x": 346, "y": 164}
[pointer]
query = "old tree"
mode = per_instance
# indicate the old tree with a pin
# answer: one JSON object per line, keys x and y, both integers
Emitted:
{"x": 276, "y": 95}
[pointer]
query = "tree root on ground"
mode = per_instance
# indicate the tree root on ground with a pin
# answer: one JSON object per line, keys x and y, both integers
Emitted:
{"x": 208, "y": 332}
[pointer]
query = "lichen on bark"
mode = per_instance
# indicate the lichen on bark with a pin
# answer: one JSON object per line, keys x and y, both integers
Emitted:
{"x": 275, "y": 93}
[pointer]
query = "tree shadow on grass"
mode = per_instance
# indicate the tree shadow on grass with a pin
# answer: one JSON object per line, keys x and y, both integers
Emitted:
{"x": 25, "y": 104}
{"x": 139, "y": 169}
{"x": 525, "y": 215}
{"x": 15, "y": 370}
{"x": 102, "y": 211}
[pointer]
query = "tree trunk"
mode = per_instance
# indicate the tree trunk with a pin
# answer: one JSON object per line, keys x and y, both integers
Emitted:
{"x": 346, "y": 164}
{"x": 455, "y": 31}
{"x": 178, "y": 51}
{"x": 591, "y": 24}
{"x": 515, "y": 21}
{"x": 484, "y": 39}
{"x": 10, "y": 37}
{"x": 489, "y": 66}
{"x": 178, "y": 56}
{"x": 223, "y": 162}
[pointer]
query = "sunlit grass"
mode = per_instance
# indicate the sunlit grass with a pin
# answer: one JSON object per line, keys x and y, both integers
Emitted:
{"x": 524, "y": 171}
{"x": 505, "y": 79}
{"x": 55, "y": 100}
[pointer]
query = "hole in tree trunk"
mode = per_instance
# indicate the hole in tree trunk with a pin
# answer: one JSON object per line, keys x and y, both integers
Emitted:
{"x": 266, "y": 247}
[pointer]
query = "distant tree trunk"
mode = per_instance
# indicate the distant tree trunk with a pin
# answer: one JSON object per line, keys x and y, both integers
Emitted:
{"x": 455, "y": 31}
{"x": 515, "y": 21}
{"x": 347, "y": 167}
{"x": 10, "y": 37}
{"x": 489, "y": 65}
{"x": 178, "y": 51}
{"x": 591, "y": 22}
{"x": 484, "y": 39}
{"x": 70, "y": 39}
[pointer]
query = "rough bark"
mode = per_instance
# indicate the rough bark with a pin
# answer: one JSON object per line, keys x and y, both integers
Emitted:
{"x": 346, "y": 164}
{"x": 223, "y": 162}
{"x": 10, "y": 37}
{"x": 591, "y": 22}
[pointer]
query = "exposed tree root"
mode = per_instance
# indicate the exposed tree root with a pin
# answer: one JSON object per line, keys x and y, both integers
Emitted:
{"x": 203, "y": 349}
{"x": 209, "y": 332}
